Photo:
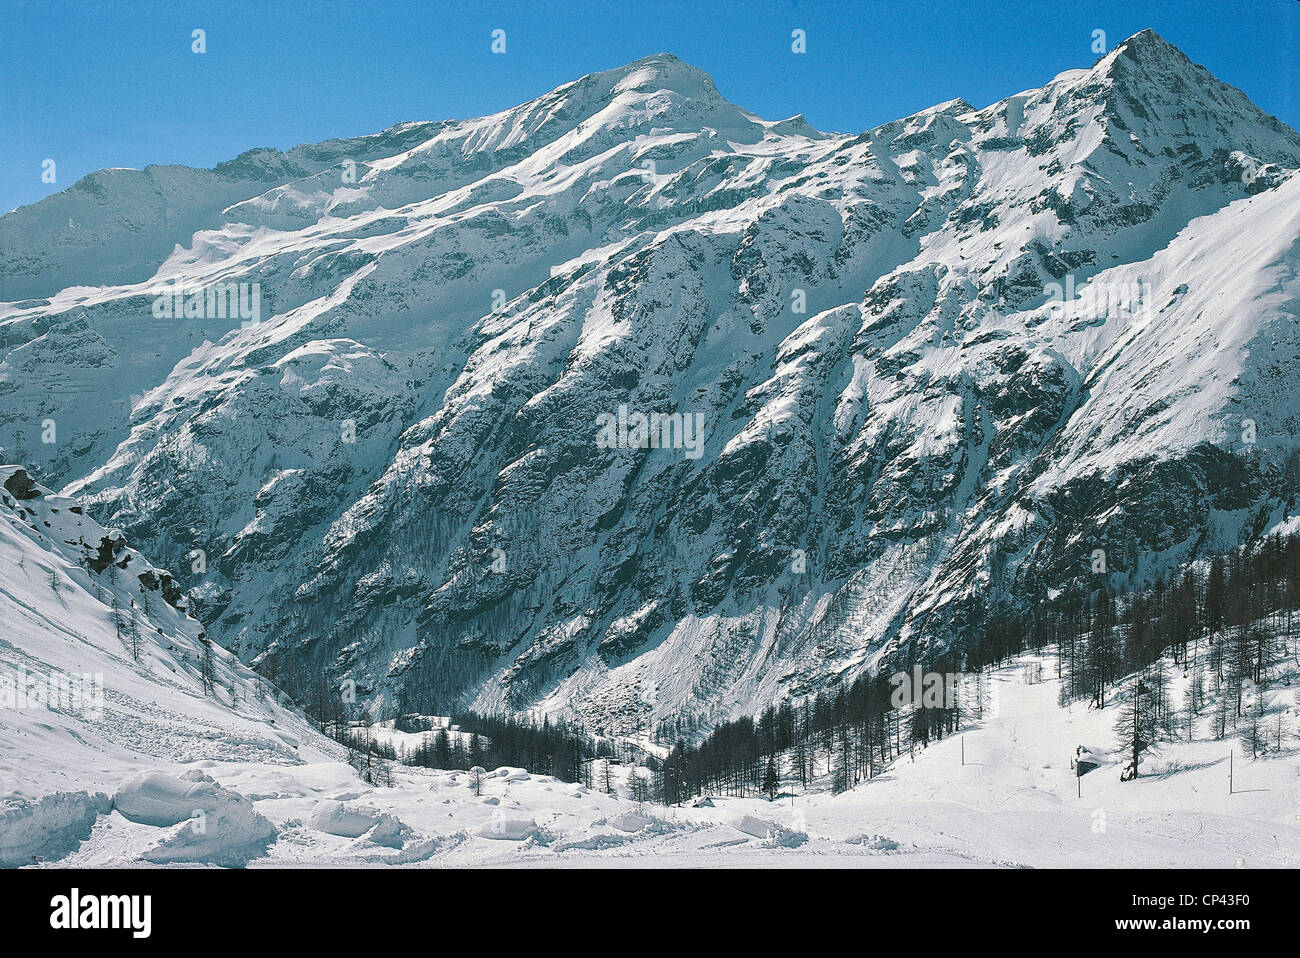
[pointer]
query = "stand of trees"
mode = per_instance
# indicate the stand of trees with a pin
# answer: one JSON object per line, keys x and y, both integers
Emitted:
{"x": 1225, "y": 623}
{"x": 851, "y": 733}
{"x": 493, "y": 740}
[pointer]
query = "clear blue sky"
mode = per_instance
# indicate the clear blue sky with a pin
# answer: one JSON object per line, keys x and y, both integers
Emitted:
{"x": 97, "y": 84}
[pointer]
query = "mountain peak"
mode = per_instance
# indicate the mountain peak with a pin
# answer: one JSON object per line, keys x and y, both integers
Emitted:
{"x": 1153, "y": 81}
{"x": 1148, "y": 43}
{"x": 660, "y": 71}
{"x": 1146, "y": 53}
{"x": 665, "y": 60}
{"x": 660, "y": 87}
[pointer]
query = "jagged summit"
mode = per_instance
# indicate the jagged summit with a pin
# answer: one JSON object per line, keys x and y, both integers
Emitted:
{"x": 1146, "y": 44}
{"x": 1147, "y": 66}
{"x": 1148, "y": 59}
{"x": 657, "y": 73}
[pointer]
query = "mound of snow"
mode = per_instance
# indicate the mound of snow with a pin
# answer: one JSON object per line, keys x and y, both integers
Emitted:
{"x": 389, "y": 832}
{"x": 47, "y": 829}
{"x": 159, "y": 799}
{"x": 878, "y": 843}
{"x": 772, "y": 834}
{"x": 204, "y": 821}
{"x": 354, "y": 821}
{"x": 632, "y": 821}
{"x": 508, "y": 829}
{"x": 346, "y": 821}
{"x": 235, "y": 834}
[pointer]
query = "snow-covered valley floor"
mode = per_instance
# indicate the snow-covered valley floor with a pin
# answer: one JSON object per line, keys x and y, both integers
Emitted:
{"x": 1013, "y": 804}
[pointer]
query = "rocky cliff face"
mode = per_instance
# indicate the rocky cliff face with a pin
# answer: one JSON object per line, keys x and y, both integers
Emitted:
{"x": 627, "y": 403}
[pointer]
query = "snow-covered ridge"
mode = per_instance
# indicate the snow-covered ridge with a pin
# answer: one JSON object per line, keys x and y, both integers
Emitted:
{"x": 909, "y": 402}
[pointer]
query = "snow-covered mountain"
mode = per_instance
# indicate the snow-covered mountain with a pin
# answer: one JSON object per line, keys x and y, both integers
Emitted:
{"x": 901, "y": 374}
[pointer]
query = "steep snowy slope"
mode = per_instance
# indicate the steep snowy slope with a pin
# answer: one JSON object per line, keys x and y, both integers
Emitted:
{"x": 913, "y": 371}
{"x": 103, "y": 673}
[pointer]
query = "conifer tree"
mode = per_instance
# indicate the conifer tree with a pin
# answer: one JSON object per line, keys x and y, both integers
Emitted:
{"x": 1136, "y": 727}
{"x": 771, "y": 781}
